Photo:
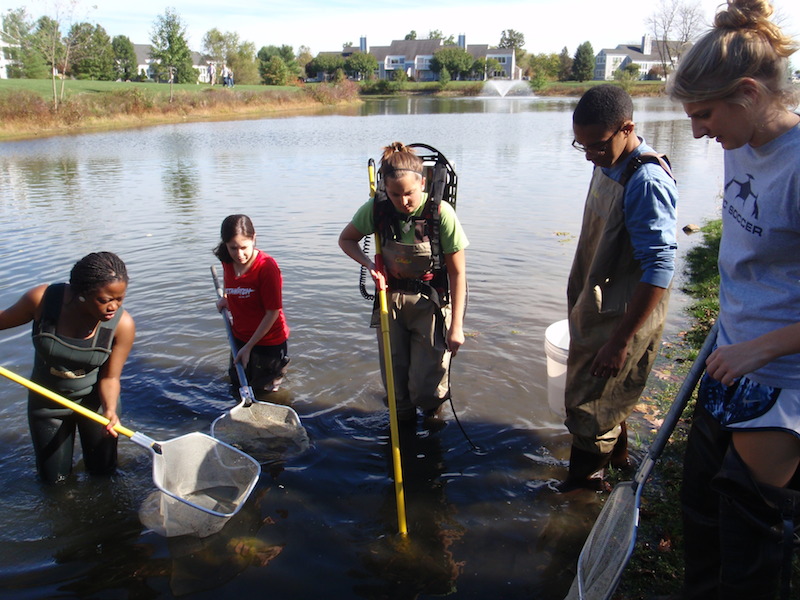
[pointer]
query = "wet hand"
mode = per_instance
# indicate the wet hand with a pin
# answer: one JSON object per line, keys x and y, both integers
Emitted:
{"x": 243, "y": 356}
{"x": 113, "y": 420}
{"x": 455, "y": 339}
{"x": 222, "y": 303}
{"x": 377, "y": 277}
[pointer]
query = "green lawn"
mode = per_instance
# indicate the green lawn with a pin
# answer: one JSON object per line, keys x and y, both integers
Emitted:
{"x": 44, "y": 87}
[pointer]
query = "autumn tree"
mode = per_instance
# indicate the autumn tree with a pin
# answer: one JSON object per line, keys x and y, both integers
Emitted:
{"x": 673, "y": 25}
{"x": 274, "y": 71}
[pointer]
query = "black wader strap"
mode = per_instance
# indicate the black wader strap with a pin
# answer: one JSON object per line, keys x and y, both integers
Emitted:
{"x": 642, "y": 159}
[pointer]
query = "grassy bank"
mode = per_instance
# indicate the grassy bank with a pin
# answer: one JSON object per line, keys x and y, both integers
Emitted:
{"x": 26, "y": 105}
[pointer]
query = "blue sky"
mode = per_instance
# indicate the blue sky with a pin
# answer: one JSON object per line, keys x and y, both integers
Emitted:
{"x": 548, "y": 25}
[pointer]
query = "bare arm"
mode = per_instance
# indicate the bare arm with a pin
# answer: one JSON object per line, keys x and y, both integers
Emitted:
{"x": 24, "y": 310}
{"x": 457, "y": 274}
{"x": 727, "y": 363}
{"x": 109, "y": 382}
{"x": 349, "y": 242}
{"x": 611, "y": 356}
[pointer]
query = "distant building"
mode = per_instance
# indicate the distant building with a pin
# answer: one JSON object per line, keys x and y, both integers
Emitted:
{"x": 650, "y": 56}
{"x": 5, "y": 59}
{"x": 414, "y": 58}
{"x": 146, "y": 65}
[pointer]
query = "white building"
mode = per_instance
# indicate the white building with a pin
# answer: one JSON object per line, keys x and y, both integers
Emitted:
{"x": 415, "y": 56}
{"x": 649, "y": 55}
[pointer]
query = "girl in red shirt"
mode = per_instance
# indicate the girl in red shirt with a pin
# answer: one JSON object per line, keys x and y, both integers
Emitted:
{"x": 253, "y": 295}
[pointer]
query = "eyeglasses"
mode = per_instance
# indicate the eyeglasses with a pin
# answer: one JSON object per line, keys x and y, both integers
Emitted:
{"x": 598, "y": 148}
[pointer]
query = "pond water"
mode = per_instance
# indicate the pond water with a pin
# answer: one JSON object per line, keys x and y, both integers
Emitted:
{"x": 482, "y": 523}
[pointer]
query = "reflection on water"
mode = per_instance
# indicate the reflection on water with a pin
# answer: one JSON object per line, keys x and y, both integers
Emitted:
{"x": 482, "y": 524}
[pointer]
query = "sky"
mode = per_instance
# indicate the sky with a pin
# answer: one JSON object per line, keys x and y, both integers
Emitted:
{"x": 325, "y": 25}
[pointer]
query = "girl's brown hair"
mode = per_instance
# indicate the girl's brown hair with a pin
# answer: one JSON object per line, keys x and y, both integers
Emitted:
{"x": 232, "y": 226}
{"x": 398, "y": 159}
{"x": 744, "y": 43}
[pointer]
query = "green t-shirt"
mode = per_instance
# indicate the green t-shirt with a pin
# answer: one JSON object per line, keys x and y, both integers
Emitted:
{"x": 452, "y": 236}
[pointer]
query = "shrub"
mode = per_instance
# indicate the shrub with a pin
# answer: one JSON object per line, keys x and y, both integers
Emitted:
{"x": 23, "y": 105}
{"x": 327, "y": 93}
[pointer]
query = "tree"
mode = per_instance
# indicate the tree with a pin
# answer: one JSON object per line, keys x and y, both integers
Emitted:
{"x": 244, "y": 64}
{"x": 27, "y": 61}
{"x": 564, "y": 65}
{"x": 411, "y": 35}
{"x": 513, "y": 39}
{"x": 436, "y": 34}
{"x": 456, "y": 60}
{"x": 304, "y": 57}
{"x": 124, "y": 58}
{"x": 583, "y": 63}
{"x": 47, "y": 40}
{"x": 92, "y": 53}
{"x": 627, "y": 74}
{"x": 325, "y": 63}
{"x": 274, "y": 71}
{"x": 219, "y": 46}
{"x": 286, "y": 54}
{"x": 171, "y": 49}
{"x": 478, "y": 69}
{"x": 224, "y": 48}
{"x": 673, "y": 25}
{"x": 360, "y": 65}
{"x": 544, "y": 66}
{"x": 444, "y": 78}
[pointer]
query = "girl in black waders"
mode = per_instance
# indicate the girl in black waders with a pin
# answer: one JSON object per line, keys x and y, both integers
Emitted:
{"x": 82, "y": 337}
{"x": 741, "y": 482}
{"x": 426, "y": 306}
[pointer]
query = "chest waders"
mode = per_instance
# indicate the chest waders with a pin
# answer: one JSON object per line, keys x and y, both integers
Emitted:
{"x": 601, "y": 284}
{"x": 70, "y": 367}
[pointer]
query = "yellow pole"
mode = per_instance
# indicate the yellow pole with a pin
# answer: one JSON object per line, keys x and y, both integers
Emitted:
{"x": 63, "y": 401}
{"x": 389, "y": 372}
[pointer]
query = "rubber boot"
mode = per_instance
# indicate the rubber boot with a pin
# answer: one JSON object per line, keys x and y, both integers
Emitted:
{"x": 619, "y": 455}
{"x": 586, "y": 472}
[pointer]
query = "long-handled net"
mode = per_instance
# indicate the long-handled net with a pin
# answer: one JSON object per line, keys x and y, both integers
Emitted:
{"x": 610, "y": 543}
{"x": 201, "y": 481}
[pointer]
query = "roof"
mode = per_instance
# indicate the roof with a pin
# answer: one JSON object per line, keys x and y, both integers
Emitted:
{"x": 635, "y": 51}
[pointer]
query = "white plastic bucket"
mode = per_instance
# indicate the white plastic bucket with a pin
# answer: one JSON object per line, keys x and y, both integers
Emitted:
{"x": 556, "y": 348}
